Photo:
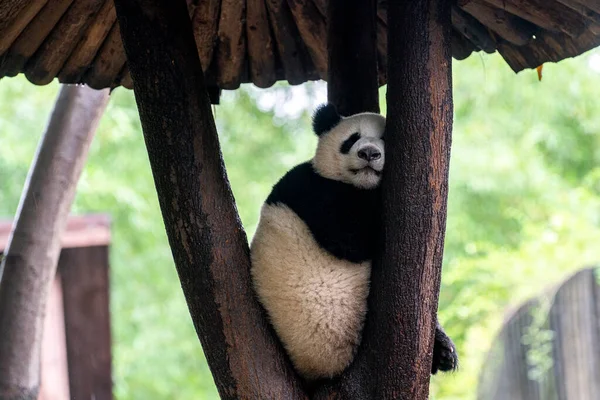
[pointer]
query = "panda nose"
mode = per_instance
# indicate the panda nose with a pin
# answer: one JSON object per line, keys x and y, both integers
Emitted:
{"x": 369, "y": 154}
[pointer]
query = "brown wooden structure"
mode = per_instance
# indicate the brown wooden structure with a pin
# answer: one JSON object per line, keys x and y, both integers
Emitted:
{"x": 178, "y": 55}
{"x": 76, "y": 353}
{"x": 549, "y": 348}
{"x": 263, "y": 41}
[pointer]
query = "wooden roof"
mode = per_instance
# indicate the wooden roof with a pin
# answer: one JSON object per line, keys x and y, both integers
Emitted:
{"x": 263, "y": 41}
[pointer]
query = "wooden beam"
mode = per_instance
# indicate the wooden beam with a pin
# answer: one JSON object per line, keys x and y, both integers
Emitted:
{"x": 50, "y": 57}
{"x": 84, "y": 275}
{"x": 293, "y": 53}
{"x": 231, "y": 48}
{"x": 32, "y": 36}
{"x": 14, "y": 17}
{"x": 381, "y": 49}
{"x": 352, "y": 84}
{"x": 261, "y": 45}
{"x": 313, "y": 31}
{"x": 33, "y": 247}
{"x": 592, "y": 4}
{"x": 509, "y": 27}
{"x": 108, "y": 62}
{"x": 591, "y": 18}
{"x": 207, "y": 240}
{"x": 461, "y": 47}
{"x": 322, "y": 7}
{"x": 473, "y": 30}
{"x": 82, "y": 57}
{"x": 205, "y": 22}
{"x": 123, "y": 79}
{"x": 550, "y": 15}
{"x": 547, "y": 47}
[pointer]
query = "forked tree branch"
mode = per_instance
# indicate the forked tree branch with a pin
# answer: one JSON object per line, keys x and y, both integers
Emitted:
{"x": 207, "y": 240}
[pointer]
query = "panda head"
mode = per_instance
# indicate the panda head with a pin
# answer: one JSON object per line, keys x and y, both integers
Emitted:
{"x": 350, "y": 149}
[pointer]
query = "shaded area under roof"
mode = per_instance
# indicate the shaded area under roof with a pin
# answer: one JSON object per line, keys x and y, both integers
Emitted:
{"x": 264, "y": 41}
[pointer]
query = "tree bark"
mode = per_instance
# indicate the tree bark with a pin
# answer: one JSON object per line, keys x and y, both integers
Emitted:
{"x": 406, "y": 280}
{"x": 352, "y": 80}
{"x": 34, "y": 244}
{"x": 395, "y": 356}
{"x": 209, "y": 245}
{"x": 207, "y": 240}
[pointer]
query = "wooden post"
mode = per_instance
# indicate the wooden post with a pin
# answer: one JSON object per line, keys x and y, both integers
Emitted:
{"x": 352, "y": 81}
{"x": 34, "y": 244}
{"x": 83, "y": 272}
{"x": 405, "y": 282}
{"x": 207, "y": 240}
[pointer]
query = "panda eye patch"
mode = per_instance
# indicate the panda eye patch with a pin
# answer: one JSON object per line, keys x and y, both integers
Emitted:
{"x": 348, "y": 143}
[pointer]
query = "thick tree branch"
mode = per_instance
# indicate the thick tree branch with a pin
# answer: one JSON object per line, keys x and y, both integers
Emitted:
{"x": 394, "y": 360}
{"x": 352, "y": 50}
{"x": 206, "y": 237}
{"x": 406, "y": 280}
{"x": 34, "y": 244}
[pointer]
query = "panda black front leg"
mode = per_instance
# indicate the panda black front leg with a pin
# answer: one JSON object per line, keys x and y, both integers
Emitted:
{"x": 444, "y": 352}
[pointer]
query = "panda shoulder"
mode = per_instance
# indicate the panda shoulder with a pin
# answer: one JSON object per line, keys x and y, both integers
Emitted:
{"x": 293, "y": 184}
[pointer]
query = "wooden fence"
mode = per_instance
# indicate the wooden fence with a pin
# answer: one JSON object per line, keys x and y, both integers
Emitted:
{"x": 76, "y": 355}
{"x": 549, "y": 349}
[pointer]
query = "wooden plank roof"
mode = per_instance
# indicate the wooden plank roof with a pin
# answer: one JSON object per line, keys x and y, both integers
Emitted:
{"x": 263, "y": 41}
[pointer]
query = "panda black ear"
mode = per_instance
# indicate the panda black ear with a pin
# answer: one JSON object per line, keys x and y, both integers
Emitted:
{"x": 325, "y": 118}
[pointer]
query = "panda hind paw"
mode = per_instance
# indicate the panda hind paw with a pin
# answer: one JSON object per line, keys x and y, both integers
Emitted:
{"x": 445, "y": 357}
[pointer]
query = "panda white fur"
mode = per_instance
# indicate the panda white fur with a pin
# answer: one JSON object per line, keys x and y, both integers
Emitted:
{"x": 312, "y": 250}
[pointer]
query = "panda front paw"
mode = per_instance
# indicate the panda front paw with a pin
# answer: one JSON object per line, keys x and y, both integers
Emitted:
{"x": 444, "y": 353}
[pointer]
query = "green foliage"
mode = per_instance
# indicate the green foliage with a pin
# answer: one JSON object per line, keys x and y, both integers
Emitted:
{"x": 538, "y": 337}
{"x": 524, "y": 205}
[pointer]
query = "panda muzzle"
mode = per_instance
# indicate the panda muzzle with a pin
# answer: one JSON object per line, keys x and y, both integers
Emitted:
{"x": 369, "y": 153}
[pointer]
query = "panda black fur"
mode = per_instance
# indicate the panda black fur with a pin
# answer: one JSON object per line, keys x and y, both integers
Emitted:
{"x": 312, "y": 251}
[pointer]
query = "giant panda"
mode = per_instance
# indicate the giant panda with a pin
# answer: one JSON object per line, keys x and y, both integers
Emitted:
{"x": 312, "y": 250}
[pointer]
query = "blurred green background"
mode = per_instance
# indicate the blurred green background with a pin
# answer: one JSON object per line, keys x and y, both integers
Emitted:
{"x": 524, "y": 205}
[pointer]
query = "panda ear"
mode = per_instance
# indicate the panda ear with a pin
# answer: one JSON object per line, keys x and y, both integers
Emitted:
{"x": 325, "y": 118}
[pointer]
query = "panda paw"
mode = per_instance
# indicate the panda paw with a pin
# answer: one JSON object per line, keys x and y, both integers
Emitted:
{"x": 444, "y": 353}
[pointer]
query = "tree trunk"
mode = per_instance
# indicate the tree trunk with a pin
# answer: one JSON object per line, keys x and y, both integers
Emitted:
{"x": 209, "y": 245}
{"x": 395, "y": 356}
{"x": 352, "y": 84}
{"x": 406, "y": 279}
{"x": 34, "y": 244}
{"x": 207, "y": 240}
